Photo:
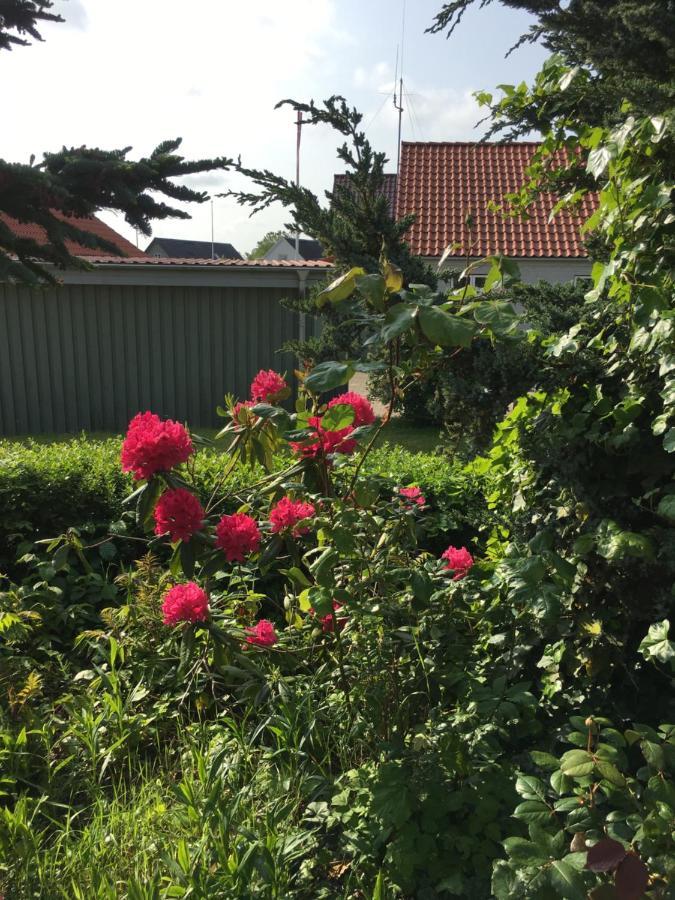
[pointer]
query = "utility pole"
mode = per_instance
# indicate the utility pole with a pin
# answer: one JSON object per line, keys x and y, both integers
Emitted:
{"x": 213, "y": 246}
{"x": 297, "y": 173}
{"x": 398, "y": 105}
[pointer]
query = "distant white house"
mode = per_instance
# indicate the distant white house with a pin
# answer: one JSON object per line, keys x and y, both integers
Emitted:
{"x": 285, "y": 248}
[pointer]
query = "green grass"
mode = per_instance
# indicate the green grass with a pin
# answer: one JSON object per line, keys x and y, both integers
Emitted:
{"x": 397, "y": 433}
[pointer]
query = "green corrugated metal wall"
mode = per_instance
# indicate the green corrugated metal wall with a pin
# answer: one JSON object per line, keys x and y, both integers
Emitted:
{"x": 91, "y": 356}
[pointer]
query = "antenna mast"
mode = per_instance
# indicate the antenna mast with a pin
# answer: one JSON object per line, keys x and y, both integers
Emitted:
{"x": 398, "y": 101}
{"x": 299, "y": 121}
{"x": 213, "y": 246}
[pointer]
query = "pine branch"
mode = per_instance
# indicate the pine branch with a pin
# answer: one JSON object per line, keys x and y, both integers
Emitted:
{"x": 19, "y": 17}
{"x": 80, "y": 182}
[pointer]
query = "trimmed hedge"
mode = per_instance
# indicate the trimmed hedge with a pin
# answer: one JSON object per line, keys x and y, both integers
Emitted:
{"x": 47, "y": 488}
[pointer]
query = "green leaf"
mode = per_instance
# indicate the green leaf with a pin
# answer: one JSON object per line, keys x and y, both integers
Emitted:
{"x": 614, "y": 543}
{"x": 669, "y": 441}
{"x": 187, "y": 558}
{"x": 666, "y": 507}
{"x": 610, "y": 772}
{"x": 399, "y": 318}
{"x": 422, "y": 586}
{"x": 656, "y": 644}
{"x": 338, "y": 417}
{"x": 340, "y": 289}
{"x": 577, "y": 763}
{"x": 329, "y": 375}
{"x": 500, "y": 315}
{"x": 533, "y": 811}
{"x": 567, "y": 881}
{"x": 373, "y": 288}
{"x": 544, "y": 760}
{"x": 524, "y": 852}
{"x": 444, "y": 329}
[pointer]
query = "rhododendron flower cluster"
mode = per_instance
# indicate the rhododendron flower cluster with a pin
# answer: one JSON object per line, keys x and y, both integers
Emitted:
{"x": 459, "y": 560}
{"x": 268, "y": 386}
{"x": 287, "y": 513}
{"x": 328, "y": 621}
{"x": 262, "y": 634}
{"x": 245, "y": 404}
{"x": 179, "y": 513}
{"x": 325, "y": 442}
{"x": 364, "y": 414}
{"x": 185, "y": 603}
{"x": 154, "y": 445}
{"x": 413, "y": 496}
{"x": 237, "y": 536}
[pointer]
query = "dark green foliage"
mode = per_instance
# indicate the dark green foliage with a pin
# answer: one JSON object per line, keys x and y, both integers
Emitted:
{"x": 23, "y": 17}
{"x": 469, "y": 392}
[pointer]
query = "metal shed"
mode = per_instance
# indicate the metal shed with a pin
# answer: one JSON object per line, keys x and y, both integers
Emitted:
{"x": 169, "y": 335}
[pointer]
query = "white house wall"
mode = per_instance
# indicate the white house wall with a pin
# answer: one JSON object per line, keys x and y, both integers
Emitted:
{"x": 554, "y": 271}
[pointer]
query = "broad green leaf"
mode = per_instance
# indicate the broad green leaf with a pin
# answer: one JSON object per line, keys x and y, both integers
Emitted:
{"x": 393, "y": 277}
{"x": 656, "y": 644}
{"x": 340, "y": 289}
{"x": 338, "y": 417}
{"x": 669, "y": 441}
{"x": 399, "y": 318}
{"x": 373, "y": 288}
{"x": 500, "y": 315}
{"x": 445, "y": 329}
{"x": 329, "y": 375}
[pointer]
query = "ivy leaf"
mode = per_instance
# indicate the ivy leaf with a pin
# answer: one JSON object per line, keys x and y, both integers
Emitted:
{"x": 614, "y": 543}
{"x": 605, "y": 856}
{"x": 631, "y": 878}
{"x": 656, "y": 644}
{"x": 445, "y": 329}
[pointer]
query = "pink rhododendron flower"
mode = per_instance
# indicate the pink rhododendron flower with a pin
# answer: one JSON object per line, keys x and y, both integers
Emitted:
{"x": 459, "y": 560}
{"x": 364, "y": 413}
{"x": 413, "y": 496}
{"x": 325, "y": 442}
{"x": 287, "y": 513}
{"x": 185, "y": 603}
{"x": 236, "y": 409}
{"x": 328, "y": 621}
{"x": 262, "y": 634}
{"x": 154, "y": 445}
{"x": 237, "y": 536}
{"x": 179, "y": 513}
{"x": 268, "y": 386}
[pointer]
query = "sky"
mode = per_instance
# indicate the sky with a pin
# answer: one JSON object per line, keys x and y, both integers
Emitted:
{"x": 136, "y": 72}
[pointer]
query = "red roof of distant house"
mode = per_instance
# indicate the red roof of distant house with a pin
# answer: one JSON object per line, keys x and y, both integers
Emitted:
{"x": 93, "y": 225}
{"x": 442, "y": 183}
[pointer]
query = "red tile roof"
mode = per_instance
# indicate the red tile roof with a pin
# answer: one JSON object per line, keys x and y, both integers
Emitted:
{"x": 217, "y": 263}
{"x": 444, "y": 182}
{"x": 93, "y": 225}
{"x": 388, "y": 186}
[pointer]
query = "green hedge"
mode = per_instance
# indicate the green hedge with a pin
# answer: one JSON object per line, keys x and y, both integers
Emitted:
{"x": 46, "y": 488}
